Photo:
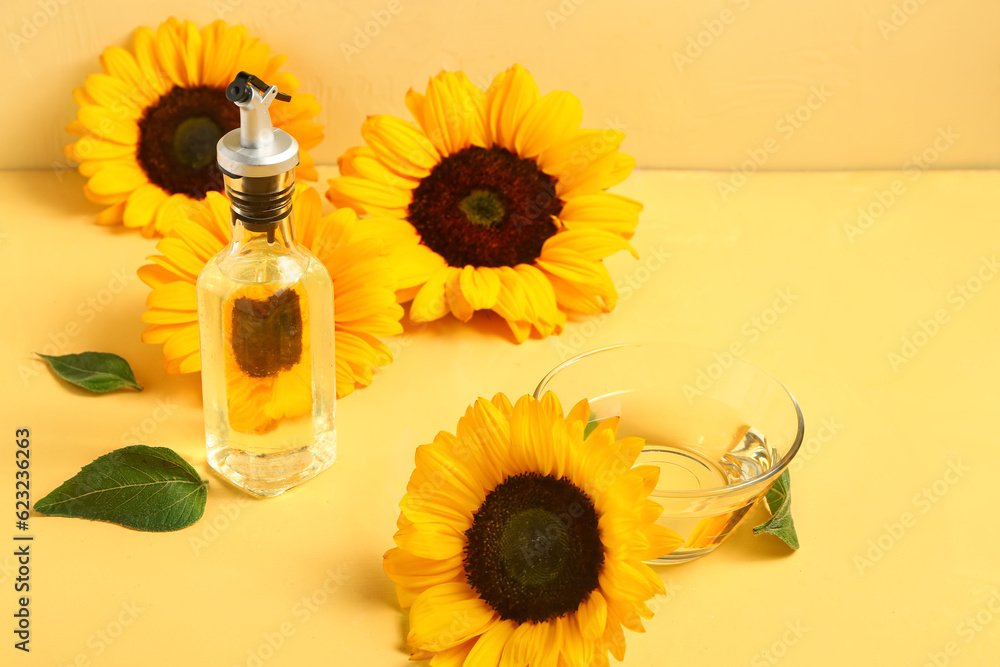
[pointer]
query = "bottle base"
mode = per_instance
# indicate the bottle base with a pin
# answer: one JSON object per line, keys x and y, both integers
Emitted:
{"x": 269, "y": 475}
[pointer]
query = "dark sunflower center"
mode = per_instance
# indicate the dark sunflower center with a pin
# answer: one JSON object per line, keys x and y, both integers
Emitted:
{"x": 485, "y": 207}
{"x": 267, "y": 335}
{"x": 534, "y": 551}
{"x": 195, "y": 141}
{"x": 177, "y": 139}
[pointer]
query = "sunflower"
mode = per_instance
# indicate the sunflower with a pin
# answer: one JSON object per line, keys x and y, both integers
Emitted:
{"x": 364, "y": 305}
{"x": 150, "y": 123}
{"x": 520, "y": 542}
{"x": 499, "y": 198}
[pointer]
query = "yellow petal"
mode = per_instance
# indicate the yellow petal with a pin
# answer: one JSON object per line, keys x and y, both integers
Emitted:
{"x": 577, "y": 155}
{"x": 144, "y": 44}
{"x": 448, "y": 615}
{"x": 602, "y": 210}
{"x": 122, "y": 65}
{"x": 431, "y": 540}
{"x": 117, "y": 180}
{"x": 140, "y": 210}
{"x": 92, "y": 148}
{"x": 490, "y": 646}
{"x": 222, "y": 45}
{"x": 454, "y": 656}
{"x": 366, "y": 196}
{"x": 109, "y": 125}
{"x": 452, "y": 113}
{"x": 178, "y": 295}
{"x": 361, "y": 161}
{"x": 115, "y": 94}
{"x": 417, "y": 104}
{"x": 508, "y": 99}
{"x": 541, "y": 297}
{"x": 400, "y": 145}
{"x": 182, "y": 344}
{"x": 111, "y": 215}
{"x": 552, "y": 120}
{"x": 511, "y": 302}
{"x": 480, "y": 286}
{"x": 592, "y": 616}
{"x": 178, "y": 208}
{"x": 592, "y": 244}
{"x": 457, "y": 302}
{"x": 431, "y": 302}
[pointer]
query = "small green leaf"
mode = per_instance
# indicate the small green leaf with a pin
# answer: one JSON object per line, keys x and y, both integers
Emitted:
{"x": 95, "y": 371}
{"x": 779, "y": 501}
{"x": 591, "y": 425}
{"x": 146, "y": 488}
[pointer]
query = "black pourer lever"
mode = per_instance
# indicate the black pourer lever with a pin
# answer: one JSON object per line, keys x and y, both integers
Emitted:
{"x": 239, "y": 90}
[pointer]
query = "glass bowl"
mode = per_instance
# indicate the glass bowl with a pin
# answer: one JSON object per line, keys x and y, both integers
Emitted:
{"x": 720, "y": 430}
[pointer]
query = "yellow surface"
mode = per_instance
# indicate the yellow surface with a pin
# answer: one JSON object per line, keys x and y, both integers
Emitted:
{"x": 695, "y": 84}
{"x": 304, "y": 570}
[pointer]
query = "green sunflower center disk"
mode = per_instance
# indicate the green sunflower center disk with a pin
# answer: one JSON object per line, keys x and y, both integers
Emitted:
{"x": 195, "y": 142}
{"x": 178, "y": 136}
{"x": 266, "y": 336}
{"x": 534, "y": 550}
{"x": 485, "y": 207}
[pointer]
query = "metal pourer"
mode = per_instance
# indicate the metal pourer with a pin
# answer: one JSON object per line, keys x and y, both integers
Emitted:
{"x": 258, "y": 161}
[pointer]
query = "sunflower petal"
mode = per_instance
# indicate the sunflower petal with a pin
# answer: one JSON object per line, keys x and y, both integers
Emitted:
{"x": 447, "y": 615}
{"x": 489, "y": 648}
{"x": 110, "y": 125}
{"x": 550, "y": 121}
{"x": 452, "y": 113}
{"x": 140, "y": 211}
{"x": 400, "y": 145}
{"x": 508, "y": 99}
{"x": 480, "y": 286}
{"x": 431, "y": 302}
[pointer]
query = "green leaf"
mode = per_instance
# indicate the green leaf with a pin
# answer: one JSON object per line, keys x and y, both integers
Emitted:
{"x": 96, "y": 371}
{"x": 146, "y": 488}
{"x": 591, "y": 425}
{"x": 779, "y": 501}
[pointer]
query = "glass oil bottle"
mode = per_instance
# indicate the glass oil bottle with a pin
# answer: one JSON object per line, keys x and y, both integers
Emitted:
{"x": 265, "y": 313}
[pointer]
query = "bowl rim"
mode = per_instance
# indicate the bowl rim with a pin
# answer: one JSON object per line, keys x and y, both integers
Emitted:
{"x": 769, "y": 477}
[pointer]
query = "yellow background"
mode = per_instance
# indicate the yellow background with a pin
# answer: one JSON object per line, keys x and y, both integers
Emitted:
{"x": 304, "y": 571}
{"x": 877, "y": 434}
{"x": 895, "y": 70}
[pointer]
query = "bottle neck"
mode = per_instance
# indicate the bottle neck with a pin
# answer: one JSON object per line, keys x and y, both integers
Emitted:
{"x": 261, "y": 211}
{"x": 276, "y": 237}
